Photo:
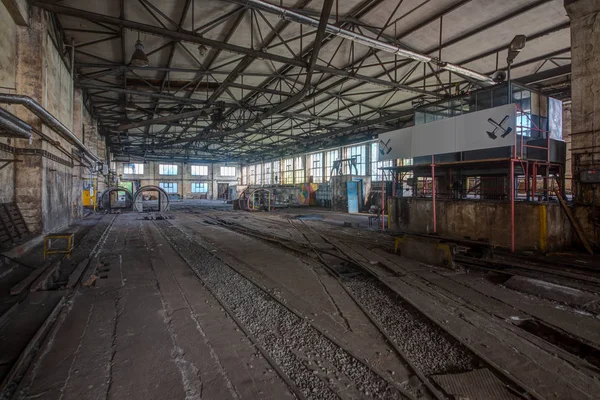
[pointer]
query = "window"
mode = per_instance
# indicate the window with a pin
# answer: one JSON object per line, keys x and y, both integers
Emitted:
{"x": 200, "y": 170}
{"x": 299, "y": 170}
{"x": 244, "y": 175}
{"x": 357, "y": 153}
{"x": 256, "y": 174}
{"x": 375, "y": 165}
{"x": 133, "y": 169}
{"x": 315, "y": 167}
{"x": 199, "y": 187}
{"x": 167, "y": 169}
{"x": 253, "y": 175}
{"x": 276, "y": 171}
{"x": 268, "y": 173}
{"x": 169, "y": 187}
{"x": 288, "y": 171}
{"x": 330, "y": 157}
{"x": 227, "y": 171}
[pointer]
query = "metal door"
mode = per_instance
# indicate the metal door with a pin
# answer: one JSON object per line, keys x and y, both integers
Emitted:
{"x": 352, "y": 190}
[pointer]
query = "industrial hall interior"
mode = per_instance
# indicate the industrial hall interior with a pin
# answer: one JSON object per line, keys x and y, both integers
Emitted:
{"x": 299, "y": 199}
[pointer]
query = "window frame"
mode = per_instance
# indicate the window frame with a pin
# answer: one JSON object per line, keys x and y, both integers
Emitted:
{"x": 196, "y": 187}
{"x": 167, "y": 169}
{"x": 174, "y": 185}
{"x": 199, "y": 169}
{"x": 137, "y": 167}
{"x": 227, "y": 168}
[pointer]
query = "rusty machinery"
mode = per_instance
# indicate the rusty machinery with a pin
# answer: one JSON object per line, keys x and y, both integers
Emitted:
{"x": 259, "y": 199}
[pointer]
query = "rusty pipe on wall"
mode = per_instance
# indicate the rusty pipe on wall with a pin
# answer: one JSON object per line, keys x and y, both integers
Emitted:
{"x": 13, "y": 127}
{"x": 48, "y": 119}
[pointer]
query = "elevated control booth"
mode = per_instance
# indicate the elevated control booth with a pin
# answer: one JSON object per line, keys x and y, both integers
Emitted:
{"x": 479, "y": 146}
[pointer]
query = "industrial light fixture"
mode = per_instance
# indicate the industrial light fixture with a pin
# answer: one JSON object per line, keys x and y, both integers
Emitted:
{"x": 202, "y": 49}
{"x": 469, "y": 73}
{"x": 129, "y": 104}
{"x": 320, "y": 129}
{"x": 515, "y": 47}
{"x": 139, "y": 58}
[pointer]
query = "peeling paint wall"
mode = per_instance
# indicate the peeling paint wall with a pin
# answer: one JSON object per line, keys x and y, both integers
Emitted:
{"x": 486, "y": 221}
{"x": 8, "y": 55}
{"x": 47, "y": 182}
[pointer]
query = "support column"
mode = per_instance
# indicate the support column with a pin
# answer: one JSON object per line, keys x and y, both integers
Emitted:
{"x": 585, "y": 82}
{"x": 30, "y": 81}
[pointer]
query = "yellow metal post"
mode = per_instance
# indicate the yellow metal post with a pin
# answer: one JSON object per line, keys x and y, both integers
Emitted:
{"x": 543, "y": 228}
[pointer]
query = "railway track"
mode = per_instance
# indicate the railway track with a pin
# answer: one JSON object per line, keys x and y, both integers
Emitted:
{"x": 370, "y": 292}
{"x": 427, "y": 350}
{"x": 314, "y": 365}
{"x": 586, "y": 279}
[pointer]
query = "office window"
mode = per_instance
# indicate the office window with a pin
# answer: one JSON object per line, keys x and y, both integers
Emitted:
{"x": 299, "y": 172}
{"x": 169, "y": 187}
{"x": 277, "y": 172}
{"x": 199, "y": 187}
{"x": 133, "y": 169}
{"x": 268, "y": 172}
{"x": 227, "y": 171}
{"x": 200, "y": 170}
{"x": 167, "y": 169}
{"x": 288, "y": 171}
{"x": 315, "y": 167}
{"x": 330, "y": 157}
{"x": 244, "y": 175}
{"x": 357, "y": 153}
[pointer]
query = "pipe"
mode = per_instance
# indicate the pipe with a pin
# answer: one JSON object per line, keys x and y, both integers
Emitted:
{"x": 187, "y": 36}
{"x": 7, "y": 115}
{"x": 14, "y": 126}
{"x": 48, "y": 118}
{"x": 364, "y": 40}
{"x": 433, "y": 194}
{"x": 296, "y": 97}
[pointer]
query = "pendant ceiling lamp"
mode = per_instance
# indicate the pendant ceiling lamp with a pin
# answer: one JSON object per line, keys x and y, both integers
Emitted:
{"x": 139, "y": 58}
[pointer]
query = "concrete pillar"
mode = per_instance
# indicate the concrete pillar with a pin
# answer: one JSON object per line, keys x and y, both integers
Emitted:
{"x": 30, "y": 82}
{"x": 566, "y": 131}
{"x": 585, "y": 81}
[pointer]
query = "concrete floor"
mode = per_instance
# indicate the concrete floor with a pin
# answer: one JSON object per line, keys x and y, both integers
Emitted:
{"x": 207, "y": 305}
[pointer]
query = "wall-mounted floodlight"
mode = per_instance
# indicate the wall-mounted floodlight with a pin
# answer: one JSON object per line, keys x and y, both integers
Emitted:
{"x": 515, "y": 47}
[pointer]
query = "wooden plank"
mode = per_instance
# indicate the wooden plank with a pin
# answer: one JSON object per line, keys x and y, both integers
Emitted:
{"x": 12, "y": 220}
{"x": 44, "y": 281}
{"x": 25, "y": 283}
{"x": 574, "y": 223}
{"x": 76, "y": 275}
{"x": 6, "y": 229}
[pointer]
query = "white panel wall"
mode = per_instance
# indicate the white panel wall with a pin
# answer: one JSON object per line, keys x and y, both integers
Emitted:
{"x": 400, "y": 141}
{"x": 471, "y": 130}
{"x": 433, "y": 138}
{"x": 474, "y": 131}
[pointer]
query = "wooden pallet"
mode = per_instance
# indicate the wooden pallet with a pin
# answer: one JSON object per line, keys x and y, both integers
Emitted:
{"x": 12, "y": 225}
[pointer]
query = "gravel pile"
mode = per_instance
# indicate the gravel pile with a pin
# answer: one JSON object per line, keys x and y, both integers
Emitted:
{"x": 318, "y": 367}
{"x": 427, "y": 346}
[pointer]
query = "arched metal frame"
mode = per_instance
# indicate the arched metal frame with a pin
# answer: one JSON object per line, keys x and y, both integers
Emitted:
{"x": 104, "y": 201}
{"x": 164, "y": 204}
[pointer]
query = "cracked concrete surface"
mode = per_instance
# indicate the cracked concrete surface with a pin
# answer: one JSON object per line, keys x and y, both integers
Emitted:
{"x": 149, "y": 330}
